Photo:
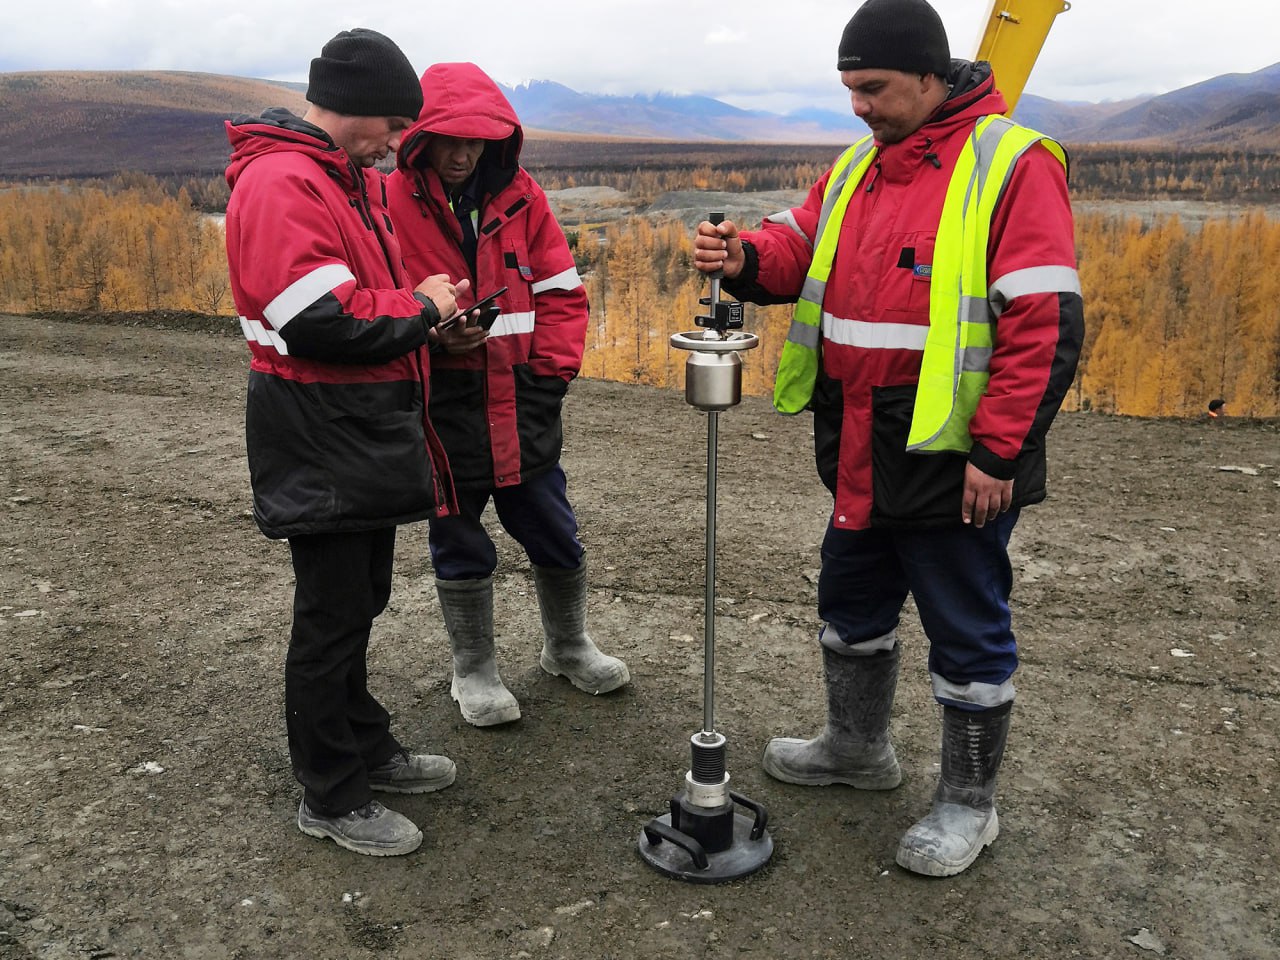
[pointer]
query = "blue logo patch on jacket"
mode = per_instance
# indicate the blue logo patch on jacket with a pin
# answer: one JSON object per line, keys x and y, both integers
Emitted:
{"x": 923, "y": 270}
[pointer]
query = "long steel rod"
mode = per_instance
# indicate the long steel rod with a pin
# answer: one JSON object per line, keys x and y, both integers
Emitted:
{"x": 709, "y": 630}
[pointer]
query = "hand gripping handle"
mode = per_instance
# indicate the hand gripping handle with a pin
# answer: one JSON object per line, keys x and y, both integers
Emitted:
{"x": 716, "y": 218}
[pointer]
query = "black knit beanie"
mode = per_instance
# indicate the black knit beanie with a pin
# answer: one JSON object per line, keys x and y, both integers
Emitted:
{"x": 361, "y": 73}
{"x": 904, "y": 35}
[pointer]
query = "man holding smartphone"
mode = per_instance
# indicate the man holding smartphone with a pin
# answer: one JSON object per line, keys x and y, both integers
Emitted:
{"x": 463, "y": 205}
{"x": 339, "y": 445}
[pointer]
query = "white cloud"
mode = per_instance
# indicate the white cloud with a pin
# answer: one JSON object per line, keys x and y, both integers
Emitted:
{"x": 765, "y": 52}
{"x": 724, "y": 36}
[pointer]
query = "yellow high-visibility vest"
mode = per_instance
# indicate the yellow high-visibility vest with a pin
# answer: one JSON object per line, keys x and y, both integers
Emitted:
{"x": 957, "y": 355}
{"x": 798, "y": 365}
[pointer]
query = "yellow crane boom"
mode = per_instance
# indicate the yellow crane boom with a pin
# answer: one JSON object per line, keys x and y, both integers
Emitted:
{"x": 1012, "y": 39}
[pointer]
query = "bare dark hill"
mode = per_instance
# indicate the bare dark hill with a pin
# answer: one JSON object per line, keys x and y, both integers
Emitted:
{"x": 76, "y": 124}
{"x": 80, "y": 124}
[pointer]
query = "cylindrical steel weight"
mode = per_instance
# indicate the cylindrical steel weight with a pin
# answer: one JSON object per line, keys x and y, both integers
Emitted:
{"x": 713, "y": 381}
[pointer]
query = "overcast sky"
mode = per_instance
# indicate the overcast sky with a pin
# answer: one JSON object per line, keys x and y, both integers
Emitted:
{"x": 772, "y": 54}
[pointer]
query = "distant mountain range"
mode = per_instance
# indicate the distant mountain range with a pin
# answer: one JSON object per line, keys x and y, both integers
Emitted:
{"x": 71, "y": 124}
{"x": 1240, "y": 110}
{"x": 544, "y": 105}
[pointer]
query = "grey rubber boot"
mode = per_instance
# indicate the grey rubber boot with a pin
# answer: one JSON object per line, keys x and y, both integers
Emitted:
{"x": 853, "y": 748}
{"x": 567, "y": 650}
{"x": 467, "y": 606}
{"x": 963, "y": 819}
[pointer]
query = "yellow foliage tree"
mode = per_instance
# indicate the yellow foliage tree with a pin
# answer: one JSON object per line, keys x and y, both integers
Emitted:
{"x": 123, "y": 245}
{"x": 1174, "y": 314}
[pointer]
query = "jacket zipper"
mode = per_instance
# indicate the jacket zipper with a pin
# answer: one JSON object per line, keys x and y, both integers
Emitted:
{"x": 366, "y": 214}
{"x": 447, "y": 223}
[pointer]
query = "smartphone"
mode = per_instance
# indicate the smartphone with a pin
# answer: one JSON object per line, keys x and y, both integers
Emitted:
{"x": 488, "y": 308}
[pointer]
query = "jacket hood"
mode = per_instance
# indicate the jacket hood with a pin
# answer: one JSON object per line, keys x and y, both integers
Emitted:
{"x": 973, "y": 93}
{"x": 460, "y": 100}
{"x": 279, "y": 131}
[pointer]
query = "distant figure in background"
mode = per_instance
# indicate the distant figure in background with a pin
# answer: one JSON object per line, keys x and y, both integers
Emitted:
{"x": 1217, "y": 410}
{"x": 340, "y": 450}
{"x": 937, "y": 328}
{"x": 464, "y": 206}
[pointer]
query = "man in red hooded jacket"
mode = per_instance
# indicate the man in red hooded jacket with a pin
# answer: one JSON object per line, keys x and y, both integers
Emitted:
{"x": 884, "y": 270}
{"x": 340, "y": 450}
{"x": 464, "y": 206}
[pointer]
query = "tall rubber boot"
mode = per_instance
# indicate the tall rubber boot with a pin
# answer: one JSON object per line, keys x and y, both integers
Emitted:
{"x": 853, "y": 748}
{"x": 963, "y": 819}
{"x": 567, "y": 650}
{"x": 467, "y": 606}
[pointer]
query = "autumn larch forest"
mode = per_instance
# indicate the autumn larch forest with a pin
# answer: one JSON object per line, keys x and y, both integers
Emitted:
{"x": 1177, "y": 313}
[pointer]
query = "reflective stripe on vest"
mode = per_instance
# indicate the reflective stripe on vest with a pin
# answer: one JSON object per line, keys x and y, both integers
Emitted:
{"x": 957, "y": 349}
{"x": 798, "y": 365}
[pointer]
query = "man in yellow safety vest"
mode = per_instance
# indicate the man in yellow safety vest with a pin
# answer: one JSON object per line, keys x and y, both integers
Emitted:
{"x": 937, "y": 327}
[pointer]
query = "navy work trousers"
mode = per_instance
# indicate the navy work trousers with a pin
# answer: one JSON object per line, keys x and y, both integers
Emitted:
{"x": 960, "y": 579}
{"x": 536, "y": 513}
{"x": 337, "y": 729}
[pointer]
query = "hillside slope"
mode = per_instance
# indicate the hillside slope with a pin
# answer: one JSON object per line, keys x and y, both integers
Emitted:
{"x": 77, "y": 124}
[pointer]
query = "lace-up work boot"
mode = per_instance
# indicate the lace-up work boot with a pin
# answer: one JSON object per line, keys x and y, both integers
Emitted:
{"x": 372, "y": 830}
{"x": 567, "y": 650}
{"x": 409, "y": 772}
{"x": 853, "y": 748}
{"x": 963, "y": 819}
{"x": 467, "y": 606}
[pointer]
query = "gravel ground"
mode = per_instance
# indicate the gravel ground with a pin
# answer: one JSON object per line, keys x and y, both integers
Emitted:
{"x": 148, "y": 803}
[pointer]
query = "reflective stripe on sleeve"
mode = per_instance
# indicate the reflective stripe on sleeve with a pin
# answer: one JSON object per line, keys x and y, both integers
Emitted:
{"x": 305, "y": 291}
{"x": 511, "y": 324}
{"x": 256, "y": 332}
{"x": 564, "y": 280}
{"x": 1019, "y": 283}
{"x": 788, "y": 219}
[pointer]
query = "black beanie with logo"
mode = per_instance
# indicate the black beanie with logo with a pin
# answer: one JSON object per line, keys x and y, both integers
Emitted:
{"x": 362, "y": 73}
{"x": 905, "y": 35}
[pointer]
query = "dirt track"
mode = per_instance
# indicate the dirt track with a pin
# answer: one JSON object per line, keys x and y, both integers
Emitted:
{"x": 144, "y": 782}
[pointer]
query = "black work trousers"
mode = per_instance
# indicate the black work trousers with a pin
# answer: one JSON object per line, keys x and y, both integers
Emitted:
{"x": 337, "y": 729}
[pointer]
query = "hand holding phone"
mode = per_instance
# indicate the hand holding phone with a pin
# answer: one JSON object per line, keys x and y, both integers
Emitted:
{"x": 488, "y": 308}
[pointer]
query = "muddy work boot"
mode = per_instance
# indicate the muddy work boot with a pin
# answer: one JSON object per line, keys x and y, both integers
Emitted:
{"x": 853, "y": 748}
{"x": 567, "y": 651}
{"x": 372, "y": 830}
{"x": 963, "y": 819}
{"x": 467, "y": 606}
{"x": 407, "y": 772}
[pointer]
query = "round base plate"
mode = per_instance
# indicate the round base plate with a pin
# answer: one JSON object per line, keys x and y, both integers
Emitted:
{"x": 744, "y": 855}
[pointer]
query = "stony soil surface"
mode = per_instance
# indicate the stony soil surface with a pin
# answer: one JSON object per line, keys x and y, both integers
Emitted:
{"x": 146, "y": 794}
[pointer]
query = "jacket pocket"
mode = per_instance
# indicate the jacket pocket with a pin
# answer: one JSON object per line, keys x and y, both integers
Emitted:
{"x": 828, "y": 417}
{"x": 538, "y": 403}
{"x": 904, "y": 290}
{"x": 909, "y": 489}
{"x": 517, "y": 274}
{"x": 336, "y": 456}
{"x": 460, "y": 417}
{"x": 376, "y": 454}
